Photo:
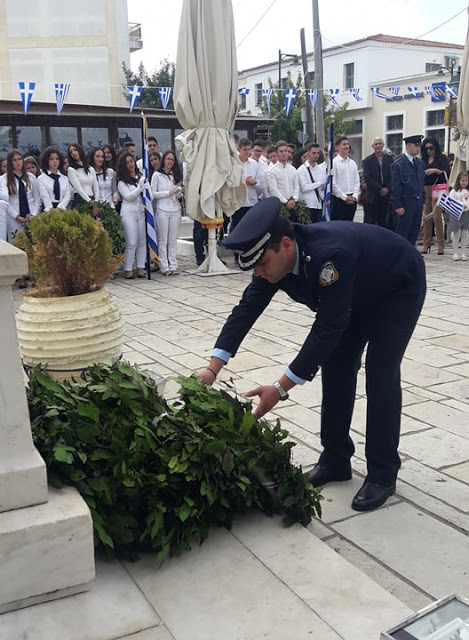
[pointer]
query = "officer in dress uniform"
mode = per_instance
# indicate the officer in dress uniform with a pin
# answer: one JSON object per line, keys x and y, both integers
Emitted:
{"x": 408, "y": 189}
{"x": 367, "y": 286}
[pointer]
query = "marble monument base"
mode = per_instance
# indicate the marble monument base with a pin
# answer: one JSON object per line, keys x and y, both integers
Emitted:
{"x": 46, "y": 550}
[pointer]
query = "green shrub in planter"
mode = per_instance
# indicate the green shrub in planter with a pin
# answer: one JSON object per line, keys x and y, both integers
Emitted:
{"x": 156, "y": 475}
{"x": 299, "y": 214}
{"x": 110, "y": 220}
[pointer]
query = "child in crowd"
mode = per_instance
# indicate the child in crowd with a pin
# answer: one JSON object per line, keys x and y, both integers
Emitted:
{"x": 460, "y": 227}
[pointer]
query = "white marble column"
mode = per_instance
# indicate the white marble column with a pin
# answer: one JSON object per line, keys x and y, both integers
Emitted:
{"x": 46, "y": 537}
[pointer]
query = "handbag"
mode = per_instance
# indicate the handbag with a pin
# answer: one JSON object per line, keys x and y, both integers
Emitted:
{"x": 442, "y": 187}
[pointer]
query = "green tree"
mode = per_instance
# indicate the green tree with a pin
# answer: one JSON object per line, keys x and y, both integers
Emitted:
{"x": 162, "y": 76}
{"x": 288, "y": 127}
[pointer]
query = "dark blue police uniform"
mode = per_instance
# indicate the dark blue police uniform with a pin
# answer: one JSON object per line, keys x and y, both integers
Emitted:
{"x": 408, "y": 192}
{"x": 367, "y": 286}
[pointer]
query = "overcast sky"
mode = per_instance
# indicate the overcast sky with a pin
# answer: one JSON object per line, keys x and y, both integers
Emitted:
{"x": 341, "y": 21}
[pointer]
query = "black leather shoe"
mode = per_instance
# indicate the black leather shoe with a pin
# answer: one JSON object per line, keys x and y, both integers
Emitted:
{"x": 371, "y": 496}
{"x": 321, "y": 475}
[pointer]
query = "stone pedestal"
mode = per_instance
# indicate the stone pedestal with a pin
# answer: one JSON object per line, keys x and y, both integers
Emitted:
{"x": 46, "y": 539}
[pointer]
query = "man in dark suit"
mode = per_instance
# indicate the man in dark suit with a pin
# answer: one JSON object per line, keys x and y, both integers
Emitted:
{"x": 408, "y": 189}
{"x": 366, "y": 286}
{"x": 377, "y": 178}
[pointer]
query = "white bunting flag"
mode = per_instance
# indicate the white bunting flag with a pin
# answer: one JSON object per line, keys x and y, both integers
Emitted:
{"x": 243, "y": 91}
{"x": 267, "y": 94}
{"x": 134, "y": 96}
{"x": 415, "y": 92}
{"x": 165, "y": 95}
{"x": 26, "y": 91}
{"x": 452, "y": 91}
{"x": 289, "y": 100}
{"x": 333, "y": 94}
{"x": 313, "y": 96}
{"x": 61, "y": 93}
{"x": 394, "y": 90}
{"x": 379, "y": 94}
{"x": 356, "y": 94}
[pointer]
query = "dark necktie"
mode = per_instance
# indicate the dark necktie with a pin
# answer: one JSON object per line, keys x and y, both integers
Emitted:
{"x": 23, "y": 198}
{"x": 56, "y": 178}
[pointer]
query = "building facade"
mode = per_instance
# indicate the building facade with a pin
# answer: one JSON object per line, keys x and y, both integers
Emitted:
{"x": 54, "y": 41}
{"x": 377, "y": 62}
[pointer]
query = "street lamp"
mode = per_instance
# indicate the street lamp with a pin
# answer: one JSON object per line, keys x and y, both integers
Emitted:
{"x": 453, "y": 82}
{"x": 296, "y": 62}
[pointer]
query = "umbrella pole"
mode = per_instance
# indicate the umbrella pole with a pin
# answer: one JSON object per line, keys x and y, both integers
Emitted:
{"x": 212, "y": 265}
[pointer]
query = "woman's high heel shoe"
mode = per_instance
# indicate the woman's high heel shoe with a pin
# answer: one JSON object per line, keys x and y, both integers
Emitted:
{"x": 425, "y": 250}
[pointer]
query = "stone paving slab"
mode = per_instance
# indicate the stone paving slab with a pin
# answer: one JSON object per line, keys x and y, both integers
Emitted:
{"x": 428, "y": 553}
{"x": 435, "y": 447}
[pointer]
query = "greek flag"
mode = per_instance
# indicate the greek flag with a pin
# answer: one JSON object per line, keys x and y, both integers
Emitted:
{"x": 243, "y": 91}
{"x": 134, "y": 96}
{"x": 267, "y": 94}
{"x": 450, "y": 205}
{"x": 327, "y": 207}
{"x": 152, "y": 243}
{"x": 379, "y": 94}
{"x": 26, "y": 91}
{"x": 356, "y": 94}
{"x": 333, "y": 94}
{"x": 453, "y": 92}
{"x": 313, "y": 96}
{"x": 61, "y": 93}
{"x": 165, "y": 95}
{"x": 394, "y": 90}
{"x": 289, "y": 100}
{"x": 414, "y": 91}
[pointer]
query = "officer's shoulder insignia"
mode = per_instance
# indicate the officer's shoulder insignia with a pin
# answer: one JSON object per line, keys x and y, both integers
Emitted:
{"x": 328, "y": 274}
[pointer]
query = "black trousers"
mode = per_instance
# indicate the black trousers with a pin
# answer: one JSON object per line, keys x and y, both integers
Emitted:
{"x": 200, "y": 238}
{"x": 408, "y": 225}
{"x": 238, "y": 216}
{"x": 377, "y": 212}
{"x": 315, "y": 215}
{"x": 387, "y": 329}
{"x": 342, "y": 211}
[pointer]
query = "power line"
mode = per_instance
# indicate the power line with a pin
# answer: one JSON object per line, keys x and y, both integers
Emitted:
{"x": 262, "y": 16}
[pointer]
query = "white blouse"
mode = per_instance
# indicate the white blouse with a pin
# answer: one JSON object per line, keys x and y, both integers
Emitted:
{"x": 131, "y": 198}
{"x": 83, "y": 183}
{"x": 160, "y": 187}
{"x": 107, "y": 187}
{"x": 46, "y": 188}
{"x": 13, "y": 209}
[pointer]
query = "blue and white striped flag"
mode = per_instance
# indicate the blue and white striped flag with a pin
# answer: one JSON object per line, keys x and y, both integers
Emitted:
{"x": 152, "y": 243}
{"x": 313, "y": 96}
{"x": 394, "y": 90}
{"x": 452, "y": 91}
{"x": 61, "y": 93}
{"x": 165, "y": 95}
{"x": 26, "y": 91}
{"x": 356, "y": 94}
{"x": 333, "y": 93}
{"x": 267, "y": 94}
{"x": 415, "y": 92}
{"x": 327, "y": 207}
{"x": 289, "y": 100}
{"x": 450, "y": 205}
{"x": 243, "y": 91}
{"x": 134, "y": 96}
{"x": 379, "y": 94}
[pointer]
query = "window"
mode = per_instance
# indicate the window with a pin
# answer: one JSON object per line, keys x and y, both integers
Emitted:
{"x": 349, "y": 75}
{"x": 394, "y": 131}
{"x": 258, "y": 90}
{"x": 242, "y": 102}
{"x": 61, "y": 137}
{"x": 30, "y": 140}
{"x": 6, "y": 139}
{"x": 432, "y": 66}
{"x": 356, "y": 128}
{"x": 435, "y": 126}
{"x": 94, "y": 137}
{"x": 130, "y": 134}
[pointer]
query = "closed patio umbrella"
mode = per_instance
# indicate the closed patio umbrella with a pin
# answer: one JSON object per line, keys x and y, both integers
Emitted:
{"x": 206, "y": 103}
{"x": 461, "y": 160}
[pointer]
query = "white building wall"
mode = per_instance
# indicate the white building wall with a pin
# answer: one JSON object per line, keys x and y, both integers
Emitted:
{"x": 82, "y": 43}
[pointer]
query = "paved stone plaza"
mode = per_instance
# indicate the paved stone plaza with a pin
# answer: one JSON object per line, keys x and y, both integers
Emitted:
{"x": 347, "y": 576}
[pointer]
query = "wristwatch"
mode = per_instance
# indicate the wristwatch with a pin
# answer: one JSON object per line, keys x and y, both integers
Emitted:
{"x": 284, "y": 395}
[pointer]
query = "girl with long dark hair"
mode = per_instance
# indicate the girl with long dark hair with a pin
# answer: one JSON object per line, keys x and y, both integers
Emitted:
{"x": 105, "y": 176}
{"x": 82, "y": 177}
{"x": 53, "y": 184}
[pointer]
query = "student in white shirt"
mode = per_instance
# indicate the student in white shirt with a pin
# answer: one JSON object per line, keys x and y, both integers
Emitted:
{"x": 105, "y": 176}
{"x": 312, "y": 178}
{"x": 345, "y": 183}
{"x": 166, "y": 186}
{"x": 250, "y": 172}
{"x": 82, "y": 177}
{"x": 282, "y": 178}
{"x": 20, "y": 190}
{"x": 53, "y": 185}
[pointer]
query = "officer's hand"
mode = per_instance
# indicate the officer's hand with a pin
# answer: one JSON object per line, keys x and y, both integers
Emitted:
{"x": 400, "y": 212}
{"x": 207, "y": 376}
{"x": 290, "y": 204}
{"x": 269, "y": 397}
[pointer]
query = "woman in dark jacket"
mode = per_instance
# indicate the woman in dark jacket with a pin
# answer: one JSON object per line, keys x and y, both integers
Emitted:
{"x": 436, "y": 166}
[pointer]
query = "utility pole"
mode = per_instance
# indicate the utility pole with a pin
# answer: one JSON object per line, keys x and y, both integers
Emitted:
{"x": 307, "y": 82}
{"x": 318, "y": 77}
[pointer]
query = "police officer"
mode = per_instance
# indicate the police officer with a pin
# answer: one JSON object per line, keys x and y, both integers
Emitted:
{"x": 408, "y": 189}
{"x": 366, "y": 286}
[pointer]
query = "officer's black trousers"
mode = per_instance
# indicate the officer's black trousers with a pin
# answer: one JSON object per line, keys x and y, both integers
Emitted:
{"x": 387, "y": 329}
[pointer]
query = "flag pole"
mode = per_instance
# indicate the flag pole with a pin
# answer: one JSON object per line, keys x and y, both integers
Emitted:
{"x": 327, "y": 210}
{"x": 150, "y": 226}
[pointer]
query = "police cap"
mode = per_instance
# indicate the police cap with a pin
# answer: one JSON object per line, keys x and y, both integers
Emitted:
{"x": 417, "y": 139}
{"x": 250, "y": 236}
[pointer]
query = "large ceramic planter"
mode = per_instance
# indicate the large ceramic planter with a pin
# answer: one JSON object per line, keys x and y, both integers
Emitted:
{"x": 68, "y": 334}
